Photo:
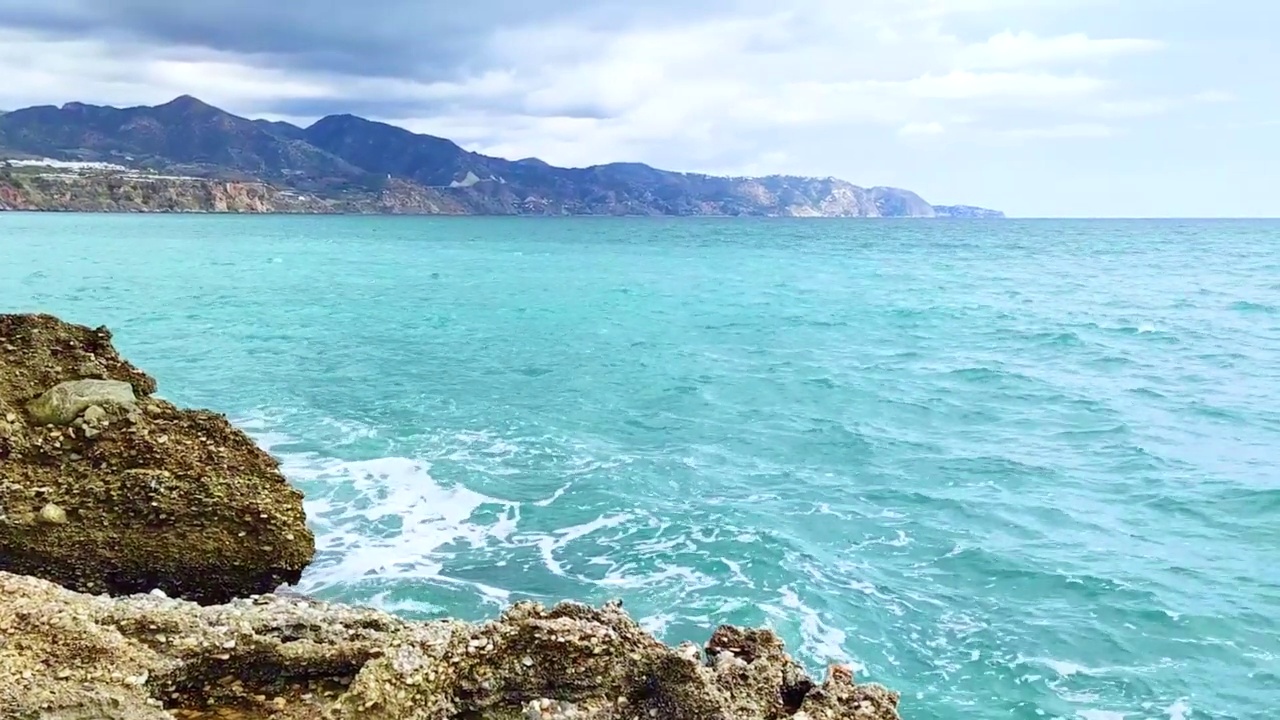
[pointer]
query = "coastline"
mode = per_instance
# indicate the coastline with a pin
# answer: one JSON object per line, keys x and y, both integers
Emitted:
{"x": 175, "y": 615}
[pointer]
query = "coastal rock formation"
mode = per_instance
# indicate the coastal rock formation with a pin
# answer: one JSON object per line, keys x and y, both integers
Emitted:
{"x": 105, "y": 488}
{"x": 100, "y": 192}
{"x": 67, "y": 655}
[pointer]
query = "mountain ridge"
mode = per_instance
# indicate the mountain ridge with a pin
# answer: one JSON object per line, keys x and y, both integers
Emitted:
{"x": 346, "y": 163}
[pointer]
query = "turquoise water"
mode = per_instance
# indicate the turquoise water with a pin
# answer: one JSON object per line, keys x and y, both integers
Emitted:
{"x": 1012, "y": 469}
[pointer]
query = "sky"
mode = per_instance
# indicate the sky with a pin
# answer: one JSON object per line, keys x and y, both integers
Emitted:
{"x": 1040, "y": 108}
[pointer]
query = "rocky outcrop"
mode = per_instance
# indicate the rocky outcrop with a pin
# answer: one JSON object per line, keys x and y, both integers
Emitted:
{"x": 106, "y": 488}
{"x": 67, "y": 655}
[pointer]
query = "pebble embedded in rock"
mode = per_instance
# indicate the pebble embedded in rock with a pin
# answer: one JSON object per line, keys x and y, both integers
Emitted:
{"x": 53, "y": 515}
{"x": 94, "y": 414}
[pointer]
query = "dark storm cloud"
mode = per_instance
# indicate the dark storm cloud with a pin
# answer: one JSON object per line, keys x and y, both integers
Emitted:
{"x": 422, "y": 39}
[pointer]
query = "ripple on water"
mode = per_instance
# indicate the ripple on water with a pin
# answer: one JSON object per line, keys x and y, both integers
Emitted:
{"x": 1006, "y": 491}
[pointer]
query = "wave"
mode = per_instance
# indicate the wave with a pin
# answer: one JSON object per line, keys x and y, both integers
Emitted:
{"x": 389, "y": 519}
{"x": 1245, "y": 306}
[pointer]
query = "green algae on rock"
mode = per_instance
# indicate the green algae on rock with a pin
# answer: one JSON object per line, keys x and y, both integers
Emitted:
{"x": 145, "y": 657}
{"x": 144, "y": 495}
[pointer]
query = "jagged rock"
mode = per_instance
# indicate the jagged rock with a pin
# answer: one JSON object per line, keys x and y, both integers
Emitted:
{"x": 64, "y": 402}
{"x": 67, "y": 655}
{"x": 152, "y": 496}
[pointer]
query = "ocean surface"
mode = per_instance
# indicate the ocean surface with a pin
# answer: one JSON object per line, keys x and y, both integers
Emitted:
{"x": 1013, "y": 469}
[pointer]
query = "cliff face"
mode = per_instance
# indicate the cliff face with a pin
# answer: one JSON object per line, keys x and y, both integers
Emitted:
{"x": 349, "y": 164}
{"x": 115, "y": 193}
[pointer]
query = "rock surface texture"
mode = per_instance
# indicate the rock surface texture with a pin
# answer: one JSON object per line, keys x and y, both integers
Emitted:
{"x": 67, "y": 655}
{"x": 104, "y": 488}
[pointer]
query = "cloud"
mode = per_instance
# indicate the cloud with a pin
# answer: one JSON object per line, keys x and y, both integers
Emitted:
{"x": 1017, "y": 86}
{"x": 1024, "y": 49}
{"x": 1214, "y": 96}
{"x": 1077, "y": 130}
{"x": 922, "y": 129}
{"x": 428, "y": 39}
{"x": 808, "y": 86}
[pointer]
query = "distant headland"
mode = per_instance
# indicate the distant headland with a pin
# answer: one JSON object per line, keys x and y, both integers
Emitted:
{"x": 189, "y": 156}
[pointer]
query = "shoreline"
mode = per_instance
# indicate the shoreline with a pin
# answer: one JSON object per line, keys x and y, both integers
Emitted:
{"x": 142, "y": 546}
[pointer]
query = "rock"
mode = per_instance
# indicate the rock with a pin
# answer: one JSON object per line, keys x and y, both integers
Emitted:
{"x": 144, "y": 657}
{"x": 95, "y": 415}
{"x": 65, "y": 401}
{"x": 51, "y": 514}
{"x": 173, "y": 515}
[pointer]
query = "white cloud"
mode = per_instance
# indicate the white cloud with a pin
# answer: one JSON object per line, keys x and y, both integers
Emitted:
{"x": 44, "y": 71}
{"x": 1214, "y": 96}
{"x": 922, "y": 129}
{"x": 1016, "y": 86}
{"x": 1024, "y": 49}
{"x": 1075, "y": 130}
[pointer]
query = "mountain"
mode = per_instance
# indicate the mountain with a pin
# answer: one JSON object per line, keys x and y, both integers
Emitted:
{"x": 184, "y": 136}
{"x": 346, "y": 163}
{"x": 966, "y": 211}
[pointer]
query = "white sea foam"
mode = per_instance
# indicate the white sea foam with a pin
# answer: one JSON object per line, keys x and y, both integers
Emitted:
{"x": 686, "y": 578}
{"x": 899, "y": 539}
{"x": 1064, "y": 668}
{"x": 658, "y": 623}
{"x": 554, "y": 496}
{"x": 736, "y": 569}
{"x": 1180, "y": 710}
{"x": 388, "y": 520}
{"x": 414, "y": 516}
{"x": 819, "y": 639}
{"x": 1100, "y": 715}
{"x": 549, "y": 544}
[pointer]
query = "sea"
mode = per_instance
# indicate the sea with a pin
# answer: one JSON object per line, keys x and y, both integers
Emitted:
{"x": 1011, "y": 469}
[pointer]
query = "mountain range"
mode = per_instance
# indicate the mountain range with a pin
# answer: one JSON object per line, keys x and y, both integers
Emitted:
{"x": 344, "y": 163}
